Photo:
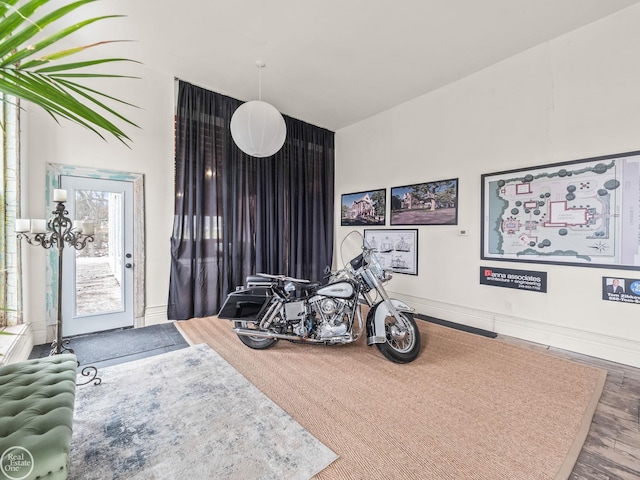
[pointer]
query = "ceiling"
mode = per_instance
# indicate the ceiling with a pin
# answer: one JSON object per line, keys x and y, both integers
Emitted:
{"x": 333, "y": 63}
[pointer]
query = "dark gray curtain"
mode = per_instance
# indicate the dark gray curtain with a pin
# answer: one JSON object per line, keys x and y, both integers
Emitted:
{"x": 236, "y": 215}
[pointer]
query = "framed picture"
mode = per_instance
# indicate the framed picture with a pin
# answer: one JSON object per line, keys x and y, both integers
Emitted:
{"x": 430, "y": 203}
{"x": 364, "y": 208}
{"x": 622, "y": 290}
{"x": 396, "y": 249}
{"x": 582, "y": 212}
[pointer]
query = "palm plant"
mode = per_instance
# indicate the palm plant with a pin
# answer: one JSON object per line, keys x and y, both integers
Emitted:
{"x": 26, "y": 72}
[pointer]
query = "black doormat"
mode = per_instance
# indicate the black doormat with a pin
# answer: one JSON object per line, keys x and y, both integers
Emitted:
{"x": 123, "y": 345}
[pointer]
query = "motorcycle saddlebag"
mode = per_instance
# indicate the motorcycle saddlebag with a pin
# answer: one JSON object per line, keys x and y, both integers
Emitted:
{"x": 246, "y": 304}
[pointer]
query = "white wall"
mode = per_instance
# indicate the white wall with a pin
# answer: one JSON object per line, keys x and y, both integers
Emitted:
{"x": 151, "y": 154}
{"x": 574, "y": 97}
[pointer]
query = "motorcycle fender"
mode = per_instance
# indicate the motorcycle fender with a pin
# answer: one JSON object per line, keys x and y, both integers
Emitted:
{"x": 375, "y": 323}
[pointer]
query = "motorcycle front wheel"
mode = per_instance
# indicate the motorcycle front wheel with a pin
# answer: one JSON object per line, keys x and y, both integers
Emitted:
{"x": 403, "y": 339}
{"x": 258, "y": 343}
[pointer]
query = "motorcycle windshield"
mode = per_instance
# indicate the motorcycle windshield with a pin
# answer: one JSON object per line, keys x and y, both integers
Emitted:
{"x": 376, "y": 266}
{"x": 351, "y": 248}
{"x": 355, "y": 249}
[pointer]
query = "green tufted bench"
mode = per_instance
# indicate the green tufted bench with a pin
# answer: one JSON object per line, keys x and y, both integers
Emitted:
{"x": 36, "y": 415}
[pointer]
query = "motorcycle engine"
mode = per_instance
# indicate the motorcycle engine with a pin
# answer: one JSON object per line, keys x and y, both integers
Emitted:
{"x": 332, "y": 314}
{"x": 328, "y": 306}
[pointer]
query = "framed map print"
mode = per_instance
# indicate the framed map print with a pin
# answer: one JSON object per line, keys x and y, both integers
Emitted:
{"x": 583, "y": 212}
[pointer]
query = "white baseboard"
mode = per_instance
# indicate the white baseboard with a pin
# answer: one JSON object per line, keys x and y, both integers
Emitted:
{"x": 17, "y": 346}
{"x": 607, "y": 347}
{"x": 451, "y": 313}
{"x": 155, "y": 315}
{"x": 40, "y": 333}
{"x": 594, "y": 344}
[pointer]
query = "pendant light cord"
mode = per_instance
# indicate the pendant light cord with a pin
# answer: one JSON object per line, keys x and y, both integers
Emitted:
{"x": 260, "y": 64}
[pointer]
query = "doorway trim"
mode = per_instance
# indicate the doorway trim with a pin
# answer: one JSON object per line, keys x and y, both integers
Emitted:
{"x": 53, "y": 173}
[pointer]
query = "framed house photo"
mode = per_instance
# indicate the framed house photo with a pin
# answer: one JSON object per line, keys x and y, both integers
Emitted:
{"x": 578, "y": 213}
{"x": 364, "y": 208}
{"x": 396, "y": 249}
{"x": 429, "y": 203}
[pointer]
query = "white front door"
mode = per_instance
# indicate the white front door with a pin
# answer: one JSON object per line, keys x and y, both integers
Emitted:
{"x": 97, "y": 281}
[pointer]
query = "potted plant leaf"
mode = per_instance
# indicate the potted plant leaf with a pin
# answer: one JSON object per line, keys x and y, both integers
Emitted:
{"x": 49, "y": 79}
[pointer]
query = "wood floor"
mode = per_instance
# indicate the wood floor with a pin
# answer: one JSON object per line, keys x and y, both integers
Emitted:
{"x": 612, "y": 448}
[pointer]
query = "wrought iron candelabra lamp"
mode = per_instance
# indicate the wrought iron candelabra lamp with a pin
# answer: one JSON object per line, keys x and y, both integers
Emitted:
{"x": 55, "y": 233}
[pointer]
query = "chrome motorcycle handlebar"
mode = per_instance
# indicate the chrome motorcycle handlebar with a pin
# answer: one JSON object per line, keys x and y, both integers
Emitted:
{"x": 283, "y": 278}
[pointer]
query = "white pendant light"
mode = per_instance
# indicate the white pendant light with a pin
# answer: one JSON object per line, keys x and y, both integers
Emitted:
{"x": 257, "y": 127}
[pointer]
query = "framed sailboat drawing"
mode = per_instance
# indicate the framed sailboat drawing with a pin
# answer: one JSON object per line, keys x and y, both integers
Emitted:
{"x": 397, "y": 250}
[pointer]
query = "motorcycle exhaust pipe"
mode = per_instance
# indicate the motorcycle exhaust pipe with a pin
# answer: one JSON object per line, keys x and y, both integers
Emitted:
{"x": 257, "y": 333}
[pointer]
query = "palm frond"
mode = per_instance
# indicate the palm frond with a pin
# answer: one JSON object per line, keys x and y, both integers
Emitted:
{"x": 62, "y": 79}
{"x": 81, "y": 90}
{"x": 73, "y": 66}
{"x": 41, "y": 79}
{"x": 49, "y": 98}
{"x": 6, "y": 5}
{"x": 30, "y": 29}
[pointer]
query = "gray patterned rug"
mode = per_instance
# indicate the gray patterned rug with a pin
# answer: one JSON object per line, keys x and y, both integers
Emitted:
{"x": 187, "y": 414}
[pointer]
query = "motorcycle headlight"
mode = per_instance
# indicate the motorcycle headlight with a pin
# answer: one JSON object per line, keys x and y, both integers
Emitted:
{"x": 387, "y": 275}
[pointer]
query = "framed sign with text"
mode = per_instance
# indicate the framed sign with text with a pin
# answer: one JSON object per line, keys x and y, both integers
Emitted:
{"x": 519, "y": 279}
{"x": 623, "y": 290}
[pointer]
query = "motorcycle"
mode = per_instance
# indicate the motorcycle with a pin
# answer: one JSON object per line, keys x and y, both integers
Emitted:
{"x": 269, "y": 308}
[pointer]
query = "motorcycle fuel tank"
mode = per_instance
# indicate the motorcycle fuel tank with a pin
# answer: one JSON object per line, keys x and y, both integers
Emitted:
{"x": 338, "y": 290}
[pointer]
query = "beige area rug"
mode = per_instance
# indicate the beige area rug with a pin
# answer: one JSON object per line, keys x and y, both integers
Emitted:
{"x": 468, "y": 408}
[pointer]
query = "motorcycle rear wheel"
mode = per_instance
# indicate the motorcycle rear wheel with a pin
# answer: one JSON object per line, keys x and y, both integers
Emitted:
{"x": 257, "y": 343}
{"x": 401, "y": 347}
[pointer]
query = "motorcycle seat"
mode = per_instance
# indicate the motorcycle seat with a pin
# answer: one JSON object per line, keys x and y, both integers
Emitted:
{"x": 305, "y": 287}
